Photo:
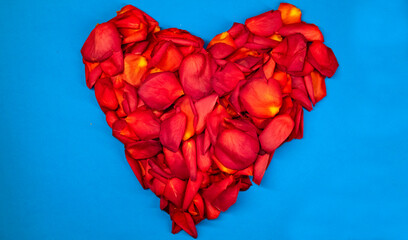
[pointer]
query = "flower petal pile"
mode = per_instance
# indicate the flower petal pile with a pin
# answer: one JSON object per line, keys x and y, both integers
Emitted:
{"x": 198, "y": 123}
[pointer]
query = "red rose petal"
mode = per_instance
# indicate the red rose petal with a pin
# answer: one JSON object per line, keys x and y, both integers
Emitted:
{"x": 310, "y": 31}
{"x": 276, "y": 132}
{"x": 290, "y": 54}
{"x": 160, "y": 90}
{"x": 322, "y": 58}
{"x": 190, "y": 156}
{"x": 143, "y": 149}
{"x": 264, "y": 24}
{"x": 172, "y": 131}
{"x": 226, "y": 78}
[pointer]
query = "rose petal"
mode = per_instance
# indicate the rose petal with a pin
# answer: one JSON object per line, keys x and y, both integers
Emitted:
{"x": 203, "y": 158}
{"x": 216, "y": 188}
{"x": 276, "y": 132}
{"x": 227, "y": 198}
{"x": 310, "y": 31}
{"x": 101, "y": 43}
{"x": 290, "y": 14}
{"x": 226, "y": 78}
{"x": 290, "y": 54}
{"x": 210, "y": 211}
{"x": 203, "y": 107}
{"x": 105, "y": 94}
{"x": 264, "y": 24}
{"x": 322, "y": 58}
{"x": 196, "y": 71}
{"x": 160, "y": 90}
{"x": 172, "y": 131}
{"x": 143, "y": 149}
{"x": 134, "y": 70}
{"x": 166, "y": 57}
{"x": 235, "y": 149}
{"x": 136, "y": 168}
{"x": 186, "y": 105}
{"x": 261, "y": 99}
{"x": 260, "y": 166}
{"x": 319, "y": 86}
{"x": 174, "y": 191}
{"x": 186, "y": 222}
{"x": 175, "y": 161}
{"x": 144, "y": 123}
{"x": 191, "y": 190}
{"x": 92, "y": 73}
{"x": 190, "y": 156}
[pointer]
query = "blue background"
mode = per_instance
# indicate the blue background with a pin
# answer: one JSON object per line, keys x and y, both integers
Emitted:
{"x": 63, "y": 176}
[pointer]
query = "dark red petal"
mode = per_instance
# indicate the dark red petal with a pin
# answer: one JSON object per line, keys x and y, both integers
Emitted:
{"x": 290, "y": 54}
{"x": 226, "y": 78}
{"x": 105, "y": 94}
{"x": 160, "y": 90}
{"x": 276, "y": 132}
{"x": 210, "y": 211}
{"x": 322, "y": 58}
{"x": 135, "y": 166}
{"x": 172, "y": 131}
{"x": 215, "y": 189}
{"x": 310, "y": 31}
{"x": 143, "y": 149}
{"x": 265, "y": 24}
{"x": 186, "y": 222}
{"x": 101, "y": 43}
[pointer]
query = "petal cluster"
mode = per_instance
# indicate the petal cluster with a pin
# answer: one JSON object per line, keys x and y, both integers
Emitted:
{"x": 199, "y": 123}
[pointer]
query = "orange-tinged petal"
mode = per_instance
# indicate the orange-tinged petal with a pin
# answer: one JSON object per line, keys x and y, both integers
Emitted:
{"x": 166, "y": 57}
{"x": 186, "y": 106}
{"x": 172, "y": 131}
{"x": 222, "y": 167}
{"x": 144, "y": 123}
{"x": 196, "y": 71}
{"x": 101, "y": 43}
{"x": 236, "y": 149}
{"x": 93, "y": 71}
{"x": 261, "y": 99}
{"x": 319, "y": 86}
{"x": 276, "y": 132}
{"x": 264, "y": 24}
{"x": 210, "y": 211}
{"x": 290, "y": 14}
{"x": 160, "y": 90}
{"x": 310, "y": 31}
{"x": 309, "y": 88}
{"x": 123, "y": 133}
{"x": 143, "y": 149}
{"x": 284, "y": 80}
{"x": 190, "y": 156}
{"x": 224, "y": 37}
{"x": 269, "y": 68}
{"x": 240, "y": 33}
{"x": 322, "y": 58}
{"x": 134, "y": 70}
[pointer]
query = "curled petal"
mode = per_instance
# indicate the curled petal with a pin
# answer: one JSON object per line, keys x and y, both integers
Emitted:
{"x": 226, "y": 78}
{"x": 144, "y": 123}
{"x": 261, "y": 99}
{"x": 93, "y": 71}
{"x": 172, "y": 131}
{"x": 322, "y": 58}
{"x": 264, "y": 24}
{"x": 310, "y": 31}
{"x": 185, "y": 221}
{"x": 101, "y": 43}
{"x": 290, "y": 14}
{"x": 186, "y": 105}
{"x": 143, "y": 149}
{"x": 180, "y": 38}
{"x": 160, "y": 90}
{"x": 137, "y": 169}
{"x": 191, "y": 190}
{"x": 210, "y": 211}
{"x": 196, "y": 71}
{"x": 276, "y": 132}
{"x": 235, "y": 149}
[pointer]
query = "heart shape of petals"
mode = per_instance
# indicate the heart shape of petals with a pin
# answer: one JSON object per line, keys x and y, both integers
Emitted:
{"x": 199, "y": 123}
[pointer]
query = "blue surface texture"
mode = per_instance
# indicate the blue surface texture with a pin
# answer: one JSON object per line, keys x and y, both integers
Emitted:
{"x": 63, "y": 176}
